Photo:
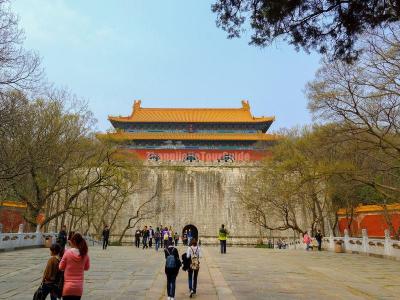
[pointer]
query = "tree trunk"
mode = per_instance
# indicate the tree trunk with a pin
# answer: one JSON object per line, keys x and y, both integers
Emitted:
{"x": 31, "y": 215}
{"x": 389, "y": 222}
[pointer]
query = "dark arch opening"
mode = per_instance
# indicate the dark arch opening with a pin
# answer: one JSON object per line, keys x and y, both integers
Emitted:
{"x": 193, "y": 229}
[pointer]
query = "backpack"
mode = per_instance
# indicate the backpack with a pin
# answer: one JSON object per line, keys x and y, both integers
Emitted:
{"x": 157, "y": 235}
{"x": 185, "y": 262}
{"x": 166, "y": 236}
{"x": 194, "y": 262}
{"x": 170, "y": 262}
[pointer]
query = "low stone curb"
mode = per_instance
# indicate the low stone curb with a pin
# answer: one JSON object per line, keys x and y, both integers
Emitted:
{"x": 223, "y": 290}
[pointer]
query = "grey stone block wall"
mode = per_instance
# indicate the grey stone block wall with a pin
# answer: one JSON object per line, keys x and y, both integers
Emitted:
{"x": 204, "y": 196}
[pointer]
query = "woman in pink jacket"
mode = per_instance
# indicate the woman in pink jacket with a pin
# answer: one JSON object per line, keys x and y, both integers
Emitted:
{"x": 74, "y": 262}
{"x": 307, "y": 240}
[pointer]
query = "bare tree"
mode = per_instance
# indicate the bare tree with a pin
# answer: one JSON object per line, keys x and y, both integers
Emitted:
{"x": 144, "y": 211}
{"x": 19, "y": 68}
{"x": 364, "y": 98}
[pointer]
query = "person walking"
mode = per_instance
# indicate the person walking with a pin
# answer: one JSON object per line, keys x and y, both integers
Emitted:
{"x": 176, "y": 238}
{"x": 51, "y": 274}
{"x": 193, "y": 256}
{"x": 157, "y": 238}
{"x": 151, "y": 235}
{"x": 189, "y": 236}
{"x": 307, "y": 240}
{"x": 62, "y": 239}
{"x": 145, "y": 236}
{"x": 137, "y": 238}
{"x": 74, "y": 262}
{"x": 165, "y": 237}
{"x": 318, "y": 237}
{"x": 106, "y": 235}
{"x": 184, "y": 238}
{"x": 222, "y": 236}
{"x": 161, "y": 236}
{"x": 170, "y": 235}
{"x": 172, "y": 266}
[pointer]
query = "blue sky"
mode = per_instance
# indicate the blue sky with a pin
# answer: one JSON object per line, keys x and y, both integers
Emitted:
{"x": 166, "y": 53}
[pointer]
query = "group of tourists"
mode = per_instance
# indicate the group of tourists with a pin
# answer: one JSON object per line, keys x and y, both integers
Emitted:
{"x": 64, "y": 272}
{"x": 161, "y": 236}
{"x": 307, "y": 240}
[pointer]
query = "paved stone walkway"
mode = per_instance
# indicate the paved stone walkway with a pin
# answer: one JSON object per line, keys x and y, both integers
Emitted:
{"x": 283, "y": 274}
{"x": 243, "y": 273}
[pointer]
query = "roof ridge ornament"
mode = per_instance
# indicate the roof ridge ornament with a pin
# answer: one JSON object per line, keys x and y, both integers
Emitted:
{"x": 246, "y": 105}
{"x": 136, "y": 106}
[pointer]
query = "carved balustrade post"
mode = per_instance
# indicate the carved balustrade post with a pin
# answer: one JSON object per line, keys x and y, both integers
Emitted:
{"x": 365, "y": 245}
{"x": 387, "y": 244}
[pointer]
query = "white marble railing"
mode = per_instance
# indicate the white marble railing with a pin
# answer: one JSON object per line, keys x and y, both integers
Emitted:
{"x": 380, "y": 247}
{"x": 11, "y": 241}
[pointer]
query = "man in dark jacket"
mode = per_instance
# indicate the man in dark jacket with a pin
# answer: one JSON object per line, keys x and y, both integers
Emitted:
{"x": 138, "y": 234}
{"x": 145, "y": 237}
{"x": 106, "y": 235}
{"x": 318, "y": 237}
{"x": 62, "y": 239}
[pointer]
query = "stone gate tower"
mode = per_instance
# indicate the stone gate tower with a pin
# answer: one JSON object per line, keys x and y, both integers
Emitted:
{"x": 200, "y": 156}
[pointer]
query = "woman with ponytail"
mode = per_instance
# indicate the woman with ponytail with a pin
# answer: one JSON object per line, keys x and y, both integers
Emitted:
{"x": 74, "y": 262}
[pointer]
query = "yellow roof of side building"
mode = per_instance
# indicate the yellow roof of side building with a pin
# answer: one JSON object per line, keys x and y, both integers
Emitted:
{"x": 13, "y": 204}
{"x": 126, "y": 136}
{"x": 191, "y": 115}
{"x": 371, "y": 208}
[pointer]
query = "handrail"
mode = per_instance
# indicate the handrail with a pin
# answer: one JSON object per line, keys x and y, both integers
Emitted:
{"x": 11, "y": 241}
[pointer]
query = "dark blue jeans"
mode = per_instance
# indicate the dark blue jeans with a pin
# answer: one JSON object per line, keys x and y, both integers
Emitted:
{"x": 192, "y": 279}
{"x": 171, "y": 282}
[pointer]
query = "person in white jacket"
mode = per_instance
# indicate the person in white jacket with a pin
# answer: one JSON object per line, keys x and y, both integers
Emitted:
{"x": 193, "y": 254}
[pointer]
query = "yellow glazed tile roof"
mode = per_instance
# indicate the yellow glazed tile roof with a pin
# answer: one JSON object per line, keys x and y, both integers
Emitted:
{"x": 126, "y": 136}
{"x": 370, "y": 208}
{"x": 12, "y": 204}
{"x": 194, "y": 115}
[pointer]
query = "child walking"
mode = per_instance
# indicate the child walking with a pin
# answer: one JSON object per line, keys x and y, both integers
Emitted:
{"x": 51, "y": 273}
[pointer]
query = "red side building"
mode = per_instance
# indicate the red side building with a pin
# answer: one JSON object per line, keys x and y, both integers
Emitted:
{"x": 370, "y": 217}
{"x": 11, "y": 215}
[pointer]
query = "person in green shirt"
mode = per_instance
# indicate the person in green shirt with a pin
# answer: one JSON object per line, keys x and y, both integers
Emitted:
{"x": 222, "y": 236}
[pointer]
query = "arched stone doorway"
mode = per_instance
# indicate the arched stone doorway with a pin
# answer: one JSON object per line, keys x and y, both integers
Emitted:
{"x": 193, "y": 229}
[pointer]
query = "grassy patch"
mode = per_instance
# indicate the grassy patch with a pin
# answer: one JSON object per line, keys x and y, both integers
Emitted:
{"x": 115, "y": 244}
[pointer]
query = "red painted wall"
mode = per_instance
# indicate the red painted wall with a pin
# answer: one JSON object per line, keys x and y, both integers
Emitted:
{"x": 11, "y": 218}
{"x": 203, "y": 155}
{"x": 375, "y": 224}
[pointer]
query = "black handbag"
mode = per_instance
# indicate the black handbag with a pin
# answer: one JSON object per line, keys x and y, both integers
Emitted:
{"x": 38, "y": 295}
